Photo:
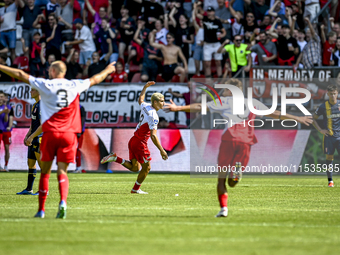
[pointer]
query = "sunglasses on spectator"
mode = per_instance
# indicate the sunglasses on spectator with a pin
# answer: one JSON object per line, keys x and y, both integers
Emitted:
{"x": 238, "y": 40}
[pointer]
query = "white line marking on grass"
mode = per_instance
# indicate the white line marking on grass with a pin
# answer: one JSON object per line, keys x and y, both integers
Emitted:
{"x": 224, "y": 223}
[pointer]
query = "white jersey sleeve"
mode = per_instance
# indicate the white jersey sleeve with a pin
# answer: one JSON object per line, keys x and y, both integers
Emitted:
{"x": 82, "y": 85}
{"x": 150, "y": 115}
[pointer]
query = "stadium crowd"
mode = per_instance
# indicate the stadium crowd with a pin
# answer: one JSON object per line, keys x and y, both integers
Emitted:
{"x": 166, "y": 40}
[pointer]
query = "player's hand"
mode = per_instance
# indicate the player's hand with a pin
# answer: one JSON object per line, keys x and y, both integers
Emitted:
{"x": 279, "y": 20}
{"x": 8, "y": 128}
{"x": 247, "y": 69}
{"x": 29, "y": 141}
{"x": 325, "y": 132}
{"x": 6, "y": 110}
{"x": 306, "y": 120}
{"x": 172, "y": 107}
{"x": 111, "y": 67}
{"x": 25, "y": 140}
{"x": 164, "y": 155}
{"x": 149, "y": 83}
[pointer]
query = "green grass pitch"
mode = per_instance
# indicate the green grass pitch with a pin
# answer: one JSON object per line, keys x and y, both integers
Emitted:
{"x": 267, "y": 215}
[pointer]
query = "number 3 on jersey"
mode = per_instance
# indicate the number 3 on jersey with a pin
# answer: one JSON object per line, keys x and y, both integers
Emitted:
{"x": 140, "y": 120}
{"x": 62, "y": 98}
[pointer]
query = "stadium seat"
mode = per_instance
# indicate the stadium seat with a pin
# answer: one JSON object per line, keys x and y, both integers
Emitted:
{"x": 136, "y": 78}
{"x": 191, "y": 66}
{"x": 133, "y": 68}
{"x": 159, "y": 78}
{"x": 22, "y": 63}
{"x": 121, "y": 60}
{"x": 176, "y": 77}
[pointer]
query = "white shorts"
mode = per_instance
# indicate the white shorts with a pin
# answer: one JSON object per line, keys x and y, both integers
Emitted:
{"x": 311, "y": 11}
{"x": 210, "y": 49}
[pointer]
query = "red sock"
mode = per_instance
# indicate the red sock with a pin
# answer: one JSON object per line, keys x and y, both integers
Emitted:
{"x": 43, "y": 190}
{"x": 63, "y": 186}
{"x": 223, "y": 200}
{"x": 137, "y": 186}
{"x": 119, "y": 160}
{"x": 6, "y": 162}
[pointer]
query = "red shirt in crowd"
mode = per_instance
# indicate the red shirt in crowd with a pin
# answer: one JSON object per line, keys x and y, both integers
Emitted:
{"x": 119, "y": 77}
{"x": 327, "y": 52}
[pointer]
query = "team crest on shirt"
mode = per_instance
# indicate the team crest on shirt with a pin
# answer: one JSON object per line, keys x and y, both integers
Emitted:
{"x": 259, "y": 88}
{"x": 241, "y": 51}
{"x": 155, "y": 122}
{"x": 35, "y": 110}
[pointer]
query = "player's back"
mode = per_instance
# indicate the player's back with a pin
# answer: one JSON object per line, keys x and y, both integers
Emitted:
{"x": 60, "y": 103}
{"x": 148, "y": 120}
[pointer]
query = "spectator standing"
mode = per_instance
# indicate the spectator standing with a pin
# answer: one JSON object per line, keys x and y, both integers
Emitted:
{"x": 152, "y": 11}
{"x": 265, "y": 49}
{"x": 99, "y": 65}
{"x": 213, "y": 31}
{"x": 64, "y": 12}
{"x": 287, "y": 47}
{"x": 98, "y": 16}
{"x": 335, "y": 58}
{"x": 199, "y": 39}
{"x": 184, "y": 35}
{"x": 162, "y": 30}
{"x": 102, "y": 35}
{"x": 301, "y": 40}
{"x": 96, "y": 5}
{"x": 74, "y": 70}
{"x": 328, "y": 45}
{"x": 151, "y": 59}
{"x": 223, "y": 14}
{"x": 46, "y": 64}
{"x": 30, "y": 14}
{"x": 238, "y": 54}
{"x": 171, "y": 53}
{"x": 259, "y": 8}
{"x": 311, "y": 54}
{"x": 8, "y": 15}
{"x": 126, "y": 27}
{"x": 33, "y": 53}
{"x": 53, "y": 36}
{"x": 84, "y": 38}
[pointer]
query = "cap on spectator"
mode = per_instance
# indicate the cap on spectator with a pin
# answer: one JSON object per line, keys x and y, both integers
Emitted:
{"x": 78, "y": 20}
{"x": 285, "y": 26}
{"x": 210, "y": 9}
{"x": 141, "y": 17}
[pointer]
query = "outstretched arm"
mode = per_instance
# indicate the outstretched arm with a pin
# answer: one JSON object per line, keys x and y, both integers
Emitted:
{"x": 142, "y": 94}
{"x": 172, "y": 107}
{"x": 15, "y": 73}
{"x": 98, "y": 78}
{"x": 306, "y": 120}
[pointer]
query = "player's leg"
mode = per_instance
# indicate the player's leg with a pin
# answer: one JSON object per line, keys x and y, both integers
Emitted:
{"x": 7, "y": 155}
{"x": 47, "y": 150}
{"x": 181, "y": 71}
{"x": 240, "y": 161}
{"x": 78, "y": 154}
{"x": 329, "y": 145}
{"x": 141, "y": 177}
{"x": 63, "y": 188}
{"x": 32, "y": 171}
{"x": 222, "y": 193}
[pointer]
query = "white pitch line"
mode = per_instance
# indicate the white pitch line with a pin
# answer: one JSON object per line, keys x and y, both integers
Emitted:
{"x": 224, "y": 223}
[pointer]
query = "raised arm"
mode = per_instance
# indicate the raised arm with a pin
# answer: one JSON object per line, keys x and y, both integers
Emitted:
{"x": 152, "y": 40}
{"x": 271, "y": 11}
{"x": 70, "y": 55}
{"x": 98, "y": 78}
{"x": 171, "y": 17}
{"x": 136, "y": 35}
{"x": 312, "y": 31}
{"x": 271, "y": 29}
{"x": 323, "y": 36}
{"x": 292, "y": 24}
{"x": 166, "y": 21}
{"x": 89, "y": 7}
{"x": 172, "y": 107}
{"x": 194, "y": 23}
{"x": 142, "y": 94}
{"x": 42, "y": 57}
{"x": 15, "y": 73}
{"x": 53, "y": 33}
{"x": 36, "y": 21}
{"x": 221, "y": 49}
{"x": 20, "y": 3}
{"x": 108, "y": 55}
{"x": 67, "y": 25}
{"x": 233, "y": 12}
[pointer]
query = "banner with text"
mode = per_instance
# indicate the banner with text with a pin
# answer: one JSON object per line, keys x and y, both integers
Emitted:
{"x": 105, "y": 105}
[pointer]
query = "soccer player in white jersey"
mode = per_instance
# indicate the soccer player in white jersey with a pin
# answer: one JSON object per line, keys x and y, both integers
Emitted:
{"x": 236, "y": 142}
{"x": 60, "y": 118}
{"x": 139, "y": 153}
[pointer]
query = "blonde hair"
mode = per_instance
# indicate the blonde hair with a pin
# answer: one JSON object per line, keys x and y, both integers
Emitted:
{"x": 156, "y": 96}
{"x": 59, "y": 67}
{"x": 235, "y": 82}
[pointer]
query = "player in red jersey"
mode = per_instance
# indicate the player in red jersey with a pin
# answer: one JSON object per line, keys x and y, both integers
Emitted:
{"x": 60, "y": 118}
{"x": 236, "y": 142}
{"x": 139, "y": 153}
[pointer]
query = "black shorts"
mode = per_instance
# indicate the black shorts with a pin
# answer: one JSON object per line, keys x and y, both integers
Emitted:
{"x": 168, "y": 72}
{"x": 330, "y": 144}
{"x": 35, "y": 147}
{"x": 150, "y": 71}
